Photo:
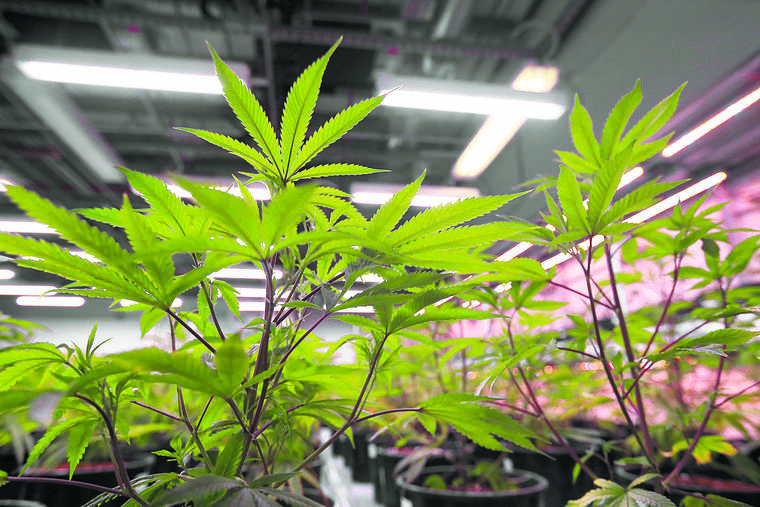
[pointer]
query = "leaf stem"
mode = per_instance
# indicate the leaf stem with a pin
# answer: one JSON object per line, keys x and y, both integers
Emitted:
{"x": 158, "y": 411}
{"x": 192, "y": 331}
{"x": 67, "y": 482}
{"x": 118, "y": 462}
{"x": 649, "y": 445}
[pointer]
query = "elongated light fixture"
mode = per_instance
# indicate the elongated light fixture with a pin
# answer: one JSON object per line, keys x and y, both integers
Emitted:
{"x": 26, "y": 226}
{"x": 259, "y": 193}
{"x": 245, "y": 273}
{"x": 120, "y": 70}
{"x": 25, "y": 290}
{"x": 427, "y": 197}
{"x": 523, "y": 246}
{"x": 487, "y": 143}
{"x": 712, "y": 123}
{"x": 467, "y": 97}
{"x": 7, "y": 274}
{"x": 536, "y": 78}
{"x": 49, "y": 301}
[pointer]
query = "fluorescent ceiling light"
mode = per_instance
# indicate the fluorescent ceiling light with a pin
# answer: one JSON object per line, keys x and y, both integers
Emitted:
{"x": 371, "y": 278}
{"x": 4, "y": 184}
{"x": 427, "y": 197}
{"x": 259, "y": 193}
{"x": 712, "y": 123}
{"x": 84, "y": 255}
{"x": 681, "y": 196}
{"x": 120, "y": 77}
{"x": 120, "y": 70}
{"x": 177, "y": 303}
{"x": 251, "y": 306}
{"x": 523, "y": 246}
{"x": 536, "y": 78}
{"x": 487, "y": 143}
{"x": 7, "y": 274}
{"x": 26, "y": 226}
{"x": 245, "y": 273}
{"x": 62, "y": 301}
{"x": 25, "y": 290}
{"x": 251, "y": 292}
{"x": 467, "y": 97}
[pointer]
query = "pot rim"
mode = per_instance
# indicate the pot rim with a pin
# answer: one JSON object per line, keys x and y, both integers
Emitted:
{"x": 541, "y": 484}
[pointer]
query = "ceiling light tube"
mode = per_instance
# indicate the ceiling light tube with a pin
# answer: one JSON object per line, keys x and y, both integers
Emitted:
{"x": 705, "y": 128}
{"x": 427, "y": 196}
{"x": 487, "y": 143}
{"x": 7, "y": 274}
{"x": 121, "y": 70}
{"x": 536, "y": 78}
{"x": 26, "y": 226}
{"x": 467, "y": 97}
{"x": 252, "y": 306}
{"x": 251, "y": 292}
{"x": 259, "y": 193}
{"x": 25, "y": 290}
{"x": 49, "y": 301}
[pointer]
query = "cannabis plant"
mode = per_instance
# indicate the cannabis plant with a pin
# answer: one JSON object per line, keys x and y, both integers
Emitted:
{"x": 595, "y": 226}
{"x": 259, "y": 390}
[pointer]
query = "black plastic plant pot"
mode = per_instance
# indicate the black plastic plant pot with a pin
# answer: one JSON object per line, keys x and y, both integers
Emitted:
{"x": 101, "y": 474}
{"x": 359, "y": 458}
{"x": 387, "y": 460}
{"x": 557, "y": 465}
{"x": 529, "y": 492}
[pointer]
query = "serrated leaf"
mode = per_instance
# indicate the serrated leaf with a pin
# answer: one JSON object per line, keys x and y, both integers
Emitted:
{"x": 230, "y": 297}
{"x": 327, "y": 170}
{"x": 249, "y": 111}
{"x": 232, "y": 212}
{"x": 617, "y": 121}
{"x": 299, "y": 107}
{"x": 226, "y": 462}
{"x": 231, "y": 363}
{"x": 198, "y": 487}
{"x": 51, "y": 434}
{"x": 654, "y": 119}
{"x": 582, "y": 131}
{"x": 386, "y": 218}
{"x": 569, "y": 194}
{"x": 237, "y": 148}
{"x": 284, "y": 212}
{"x": 79, "y": 439}
{"x": 149, "y": 319}
{"x": 175, "y": 368}
{"x": 444, "y": 216}
{"x": 162, "y": 201}
{"x": 335, "y": 128}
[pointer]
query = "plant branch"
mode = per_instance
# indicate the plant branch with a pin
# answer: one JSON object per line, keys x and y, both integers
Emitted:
{"x": 158, "y": 411}
{"x": 192, "y": 331}
{"x": 281, "y": 316}
{"x": 590, "y": 356}
{"x": 578, "y": 293}
{"x": 212, "y": 310}
{"x": 603, "y": 355}
{"x": 731, "y": 397}
{"x": 67, "y": 482}
{"x": 533, "y": 399}
{"x": 666, "y": 306}
{"x": 118, "y": 462}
